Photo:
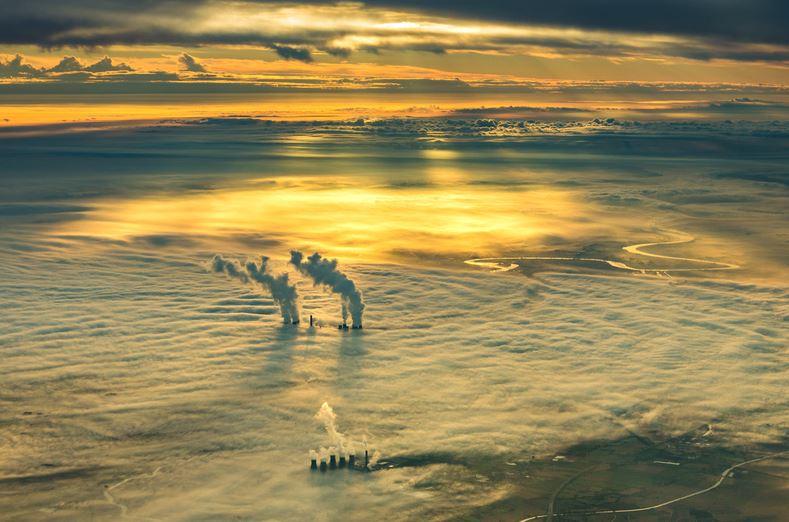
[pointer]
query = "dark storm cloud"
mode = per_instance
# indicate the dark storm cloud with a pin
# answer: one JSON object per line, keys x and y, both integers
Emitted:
{"x": 700, "y": 49}
{"x": 337, "y": 51}
{"x": 750, "y": 21}
{"x": 740, "y": 20}
{"x": 92, "y": 23}
{"x": 293, "y": 53}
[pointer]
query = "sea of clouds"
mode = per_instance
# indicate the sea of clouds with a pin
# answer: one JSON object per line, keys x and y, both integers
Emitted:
{"x": 135, "y": 380}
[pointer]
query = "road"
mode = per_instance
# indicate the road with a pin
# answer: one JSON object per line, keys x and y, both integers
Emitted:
{"x": 552, "y": 503}
{"x": 111, "y": 499}
{"x": 720, "y": 481}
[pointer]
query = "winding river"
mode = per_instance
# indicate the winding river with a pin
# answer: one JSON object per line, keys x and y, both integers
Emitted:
{"x": 505, "y": 264}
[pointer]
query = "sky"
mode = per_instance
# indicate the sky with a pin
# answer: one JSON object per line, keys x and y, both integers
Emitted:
{"x": 460, "y": 50}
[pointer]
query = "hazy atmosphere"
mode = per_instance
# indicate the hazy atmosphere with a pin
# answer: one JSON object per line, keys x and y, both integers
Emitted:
{"x": 394, "y": 260}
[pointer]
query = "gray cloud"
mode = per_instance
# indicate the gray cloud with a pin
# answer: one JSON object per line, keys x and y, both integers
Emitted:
{"x": 70, "y": 70}
{"x": 67, "y": 64}
{"x": 106, "y": 65}
{"x": 189, "y": 63}
{"x": 70, "y": 64}
{"x": 293, "y": 53}
{"x": 141, "y": 77}
{"x": 117, "y": 22}
{"x": 546, "y": 92}
{"x": 752, "y": 21}
{"x": 550, "y": 97}
{"x": 14, "y": 68}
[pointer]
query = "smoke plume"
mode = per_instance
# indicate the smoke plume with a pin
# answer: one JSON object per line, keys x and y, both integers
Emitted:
{"x": 329, "y": 419}
{"x": 231, "y": 267}
{"x": 324, "y": 272}
{"x": 283, "y": 293}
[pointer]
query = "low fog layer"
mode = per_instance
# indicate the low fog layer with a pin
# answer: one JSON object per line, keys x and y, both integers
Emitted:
{"x": 135, "y": 381}
{"x": 150, "y": 363}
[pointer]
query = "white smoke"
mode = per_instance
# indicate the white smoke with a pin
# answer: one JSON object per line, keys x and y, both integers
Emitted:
{"x": 324, "y": 272}
{"x": 374, "y": 459}
{"x": 339, "y": 443}
{"x": 329, "y": 419}
{"x": 283, "y": 293}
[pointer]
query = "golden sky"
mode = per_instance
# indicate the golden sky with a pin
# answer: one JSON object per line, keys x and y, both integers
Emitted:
{"x": 475, "y": 53}
{"x": 377, "y": 38}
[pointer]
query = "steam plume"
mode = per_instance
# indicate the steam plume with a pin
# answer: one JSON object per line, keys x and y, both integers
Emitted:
{"x": 283, "y": 293}
{"x": 324, "y": 272}
{"x": 329, "y": 419}
{"x": 231, "y": 267}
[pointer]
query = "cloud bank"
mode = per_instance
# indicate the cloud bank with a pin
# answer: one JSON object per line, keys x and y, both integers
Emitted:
{"x": 16, "y": 68}
{"x": 695, "y": 29}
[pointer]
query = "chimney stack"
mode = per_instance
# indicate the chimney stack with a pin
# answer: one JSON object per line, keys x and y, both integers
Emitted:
{"x": 332, "y": 457}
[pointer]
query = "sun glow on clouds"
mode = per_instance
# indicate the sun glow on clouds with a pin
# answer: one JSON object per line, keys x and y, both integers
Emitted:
{"x": 298, "y": 31}
{"x": 347, "y": 27}
{"x": 363, "y": 223}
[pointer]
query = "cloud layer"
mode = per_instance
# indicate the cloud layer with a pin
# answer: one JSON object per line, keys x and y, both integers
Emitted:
{"x": 16, "y": 68}
{"x": 132, "y": 378}
{"x": 698, "y": 29}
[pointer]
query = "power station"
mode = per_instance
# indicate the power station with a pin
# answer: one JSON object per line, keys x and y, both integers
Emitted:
{"x": 322, "y": 271}
{"x": 337, "y": 459}
{"x": 342, "y": 326}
